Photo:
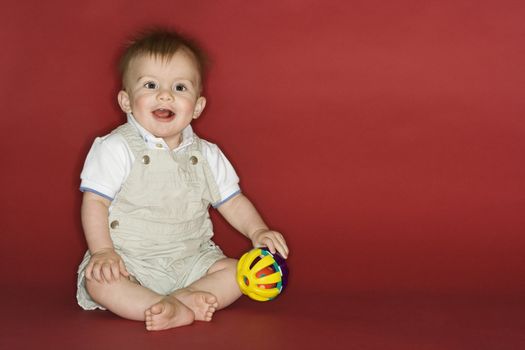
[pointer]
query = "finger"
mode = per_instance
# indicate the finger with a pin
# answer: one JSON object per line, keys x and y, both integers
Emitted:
{"x": 278, "y": 248}
{"x": 123, "y": 269}
{"x": 106, "y": 273}
{"x": 271, "y": 246}
{"x": 282, "y": 247}
{"x": 88, "y": 272}
{"x": 115, "y": 271}
{"x": 283, "y": 250}
{"x": 96, "y": 273}
{"x": 280, "y": 244}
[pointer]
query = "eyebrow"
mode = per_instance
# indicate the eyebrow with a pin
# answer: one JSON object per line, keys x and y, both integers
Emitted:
{"x": 186, "y": 81}
{"x": 143, "y": 77}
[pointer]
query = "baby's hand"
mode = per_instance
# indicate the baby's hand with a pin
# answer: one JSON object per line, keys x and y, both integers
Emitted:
{"x": 271, "y": 239}
{"x": 106, "y": 265}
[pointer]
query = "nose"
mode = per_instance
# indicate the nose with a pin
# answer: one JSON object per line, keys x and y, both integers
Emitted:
{"x": 165, "y": 95}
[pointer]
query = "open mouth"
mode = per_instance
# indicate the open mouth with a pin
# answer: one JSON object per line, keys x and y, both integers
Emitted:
{"x": 163, "y": 113}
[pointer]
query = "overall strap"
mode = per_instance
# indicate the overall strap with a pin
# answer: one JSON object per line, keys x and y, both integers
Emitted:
{"x": 196, "y": 148}
{"x": 132, "y": 137}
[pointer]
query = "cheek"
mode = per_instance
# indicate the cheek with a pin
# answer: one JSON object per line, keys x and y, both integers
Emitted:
{"x": 140, "y": 101}
{"x": 187, "y": 105}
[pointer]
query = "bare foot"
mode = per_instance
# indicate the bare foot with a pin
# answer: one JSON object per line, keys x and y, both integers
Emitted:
{"x": 203, "y": 304}
{"x": 168, "y": 313}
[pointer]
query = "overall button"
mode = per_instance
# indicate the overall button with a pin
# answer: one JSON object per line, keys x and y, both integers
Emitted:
{"x": 145, "y": 160}
{"x": 114, "y": 224}
{"x": 159, "y": 145}
{"x": 194, "y": 160}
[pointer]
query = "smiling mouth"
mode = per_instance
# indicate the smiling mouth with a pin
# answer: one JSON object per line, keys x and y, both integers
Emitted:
{"x": 163, "y": 113}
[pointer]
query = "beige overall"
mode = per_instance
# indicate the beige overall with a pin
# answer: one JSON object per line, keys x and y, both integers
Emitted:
{"x": 159, "y": 221}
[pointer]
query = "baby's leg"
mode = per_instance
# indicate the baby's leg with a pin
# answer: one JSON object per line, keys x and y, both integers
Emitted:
{"x": 135, "y": 302}
{"x": 220, "y": 281}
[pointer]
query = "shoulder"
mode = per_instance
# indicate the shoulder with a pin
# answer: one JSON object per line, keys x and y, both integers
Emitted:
{"x": 111, "y": 145}
{"x": 207, "y": 147}
{"x": 110, "y": 151}
{"x": 107, "y": 165}
{"x": 112, "y": 140}
{"x": 213, "y": 153}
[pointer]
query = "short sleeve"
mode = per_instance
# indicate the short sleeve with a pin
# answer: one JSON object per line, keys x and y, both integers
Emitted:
{"x": 107, "y": 166}
{"x": 223, "y": 172}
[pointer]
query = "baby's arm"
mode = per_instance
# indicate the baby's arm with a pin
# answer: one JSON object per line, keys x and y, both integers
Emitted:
{"x": 243, "y": 216}
{"x": 105, "y": 264}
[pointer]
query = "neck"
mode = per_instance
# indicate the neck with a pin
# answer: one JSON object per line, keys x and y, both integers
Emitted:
{"x": 174, "y": 142}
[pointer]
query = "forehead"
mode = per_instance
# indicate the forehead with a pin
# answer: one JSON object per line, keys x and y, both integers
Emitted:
{"x": 181, "y": 63}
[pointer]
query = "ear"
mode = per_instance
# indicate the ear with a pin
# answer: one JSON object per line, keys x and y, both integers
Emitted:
{"x": 123, "y": 101}
{"x": 199, "y": 107}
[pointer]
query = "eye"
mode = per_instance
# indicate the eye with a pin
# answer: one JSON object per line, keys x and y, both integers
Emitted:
{"x": 180, "y": 87}
{"x": 150, "y": 85}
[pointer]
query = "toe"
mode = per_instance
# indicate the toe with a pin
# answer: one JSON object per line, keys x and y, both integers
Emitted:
{"x": 211, "y": 299}
{"x": 156, "y": 309}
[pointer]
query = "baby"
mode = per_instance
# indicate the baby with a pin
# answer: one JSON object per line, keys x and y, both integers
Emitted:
{"x": 147, "y": 187}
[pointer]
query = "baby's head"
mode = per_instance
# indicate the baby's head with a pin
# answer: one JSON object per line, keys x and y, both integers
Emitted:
{"x": 161, "y": 44}
{"x": 162, "y": 77}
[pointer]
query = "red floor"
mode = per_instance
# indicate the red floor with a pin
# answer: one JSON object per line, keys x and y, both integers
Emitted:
{"x": 46, "y": 319}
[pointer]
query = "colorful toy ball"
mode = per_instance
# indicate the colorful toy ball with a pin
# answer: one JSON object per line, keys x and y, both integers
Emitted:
{"x": 262, "y": 275}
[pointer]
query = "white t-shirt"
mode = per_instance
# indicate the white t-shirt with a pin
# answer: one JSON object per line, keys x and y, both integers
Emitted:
{"x": 110, "y": 159}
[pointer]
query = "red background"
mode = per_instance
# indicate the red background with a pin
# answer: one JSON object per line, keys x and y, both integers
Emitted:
{"x": 385, "y": 139}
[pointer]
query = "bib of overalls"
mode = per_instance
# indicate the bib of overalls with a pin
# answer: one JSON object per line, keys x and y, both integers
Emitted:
{"x": 162, "y": 207}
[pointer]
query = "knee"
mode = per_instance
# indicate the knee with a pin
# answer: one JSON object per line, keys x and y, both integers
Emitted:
{"x": 96, "y": 290}
{"x": 224, "y": 264}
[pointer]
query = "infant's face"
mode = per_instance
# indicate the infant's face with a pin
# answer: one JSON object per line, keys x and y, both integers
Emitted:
{"x": 164, "y": 96}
